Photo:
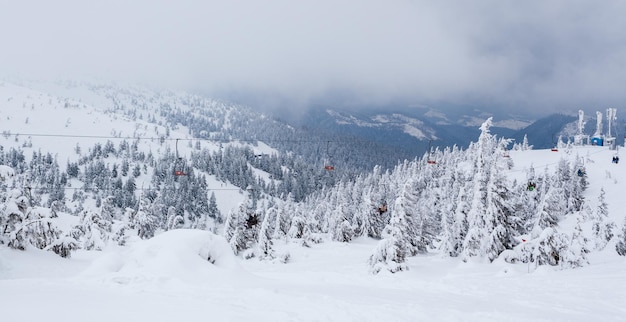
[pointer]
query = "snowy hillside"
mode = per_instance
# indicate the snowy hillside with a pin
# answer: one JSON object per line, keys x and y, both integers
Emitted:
{"x": 73, "y": 127}
{"x": 168, "y": 277}
{"x": 245, "y": 232}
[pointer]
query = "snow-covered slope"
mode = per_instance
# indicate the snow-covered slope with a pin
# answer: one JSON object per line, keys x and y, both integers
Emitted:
{"x": 169, "y": 277}
{"x": 68, "y": 119}
{"x": 193, "y": 275}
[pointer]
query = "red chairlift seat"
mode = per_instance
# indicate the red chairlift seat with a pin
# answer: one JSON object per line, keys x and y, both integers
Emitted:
{"x": 431, "y": 162}
{"x": 329, "y": 167}
{"x": 554, "y": 150}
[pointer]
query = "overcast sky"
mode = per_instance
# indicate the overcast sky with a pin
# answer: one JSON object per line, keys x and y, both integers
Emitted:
{"x": 535, "y": 55}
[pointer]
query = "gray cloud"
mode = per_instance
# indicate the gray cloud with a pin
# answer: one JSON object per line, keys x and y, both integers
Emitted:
{"x": 535, "y": 55}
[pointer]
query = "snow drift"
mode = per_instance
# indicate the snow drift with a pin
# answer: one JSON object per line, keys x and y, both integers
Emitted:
{"x": 185, "y": 255}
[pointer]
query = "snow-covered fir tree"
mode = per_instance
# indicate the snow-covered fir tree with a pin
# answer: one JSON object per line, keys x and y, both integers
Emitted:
{"x": 601, "y": 225}
{"x": 265, "y": 244}
{"x": 145, "y": 220}
{"x": 174, "y": 219}
{"x": 93, "y": 231}
{"x": 579, "y": 247}
{"x": 620, "y": 246}
{"x": 391, "y": 252}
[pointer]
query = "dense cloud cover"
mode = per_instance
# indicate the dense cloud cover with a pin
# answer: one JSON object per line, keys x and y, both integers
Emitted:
{"x": 537, "y": 55}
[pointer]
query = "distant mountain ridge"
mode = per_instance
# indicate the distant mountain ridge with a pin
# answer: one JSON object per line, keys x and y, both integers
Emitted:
{"x": 413, "y": 130}
{"x": 419, "y": 128}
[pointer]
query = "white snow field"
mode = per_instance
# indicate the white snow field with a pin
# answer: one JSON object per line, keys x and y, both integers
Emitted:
{"x": 168, "y": 278}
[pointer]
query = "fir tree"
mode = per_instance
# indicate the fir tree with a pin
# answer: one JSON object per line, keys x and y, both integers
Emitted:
{"x": 550, "y": 209}
{"x": 391, "y": 252}
{"x": 620, "y": 246}
{"x": 64, "y": 246}
{"x": 94, "y": 231}
{"x": 174, "y": 220}
{"x": 145, "y": 220}
{"x": 265, "y": 245}
{"x": 213, "y": 211}
{"x": 601, "y": 225}
{"x": 550, "y": 248}
{"x": 578, "y": 246}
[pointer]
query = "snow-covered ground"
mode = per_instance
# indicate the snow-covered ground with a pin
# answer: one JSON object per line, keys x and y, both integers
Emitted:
{"x": 168, "y": 278}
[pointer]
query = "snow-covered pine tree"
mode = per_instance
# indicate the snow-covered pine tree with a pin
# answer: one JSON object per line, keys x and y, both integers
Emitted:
{"x": 428, "y": 206}
{"x": 388, "y": 255}
{"x": 405, "y": 206}
{"x": 620, "y": 246}
{"x": 231, "y": 224}
{"x": 522, "y": 146}
{"x": 242, "y": 227}
{"x": 480, "y": 152}
{"x": 526, "y": 203}
{"x": 64, "y": 246}
{"x": 551, "y": 247}
{"x": 145, "y": 221}
{"x": 238, "y": 240}
{"x": 577, "y": 185}
{"x": 363, "y": 214}
{"x": 39, "y": 230}
{"x": 120, "y": 232}
{"x": 265, "y": 244}
{"x": 391, "y": 252}
{"x": 94, "y": 231}
{"x": 498, "y": 214}
{"x": 550, "y": 209}
{"x": 108, "y": 210}
{"x": 298, "y": 224}
{"x": 213, "y": 211}
{"x": 577, "y": 256}
{"x": 455, "y": 226}
{"x": 174, "y": 220}
{"x": 341, "y": 228}
{"x": 602, "y": 226}
{"x": 340, "y": 224}
{"x": 283, "y": 218}
{"x": 12, "y": 217}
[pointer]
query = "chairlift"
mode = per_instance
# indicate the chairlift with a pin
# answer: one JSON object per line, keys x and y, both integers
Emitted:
{"x": 430, "y": 159}
{"x": 555, "y": 148}
{"x": 327, "y": 164}
{"x": 382, "y": 208}
{"x": 178, "y": 165}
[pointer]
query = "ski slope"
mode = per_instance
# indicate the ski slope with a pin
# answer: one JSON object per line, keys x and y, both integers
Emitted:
{"x": 168, "y": 278}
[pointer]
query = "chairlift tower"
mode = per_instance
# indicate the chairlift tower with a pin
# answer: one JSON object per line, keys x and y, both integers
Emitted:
{"x": 580, "y": 138}
{"x": 611, "y": 116}
{"x": 597, "y": 138}
{"x": 598, "y": 125}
